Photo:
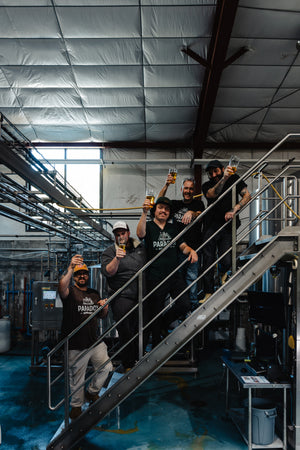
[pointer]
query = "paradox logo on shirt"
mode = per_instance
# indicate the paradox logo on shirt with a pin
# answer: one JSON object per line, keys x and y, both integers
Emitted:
{"x": 88, "y": 306}
{"x": 163, "y": 239}
{"x": 179, "y": 214}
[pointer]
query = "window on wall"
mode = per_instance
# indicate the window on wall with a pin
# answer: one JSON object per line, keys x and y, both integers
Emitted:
{"x": 85, "y": 178}
{"x": 73, "y": 169}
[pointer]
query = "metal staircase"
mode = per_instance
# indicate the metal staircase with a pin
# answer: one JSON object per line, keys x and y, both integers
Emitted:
{"x": 284, "y": 245}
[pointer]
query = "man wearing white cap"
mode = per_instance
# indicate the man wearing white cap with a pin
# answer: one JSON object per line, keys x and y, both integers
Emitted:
{"x": 119, "y": 263}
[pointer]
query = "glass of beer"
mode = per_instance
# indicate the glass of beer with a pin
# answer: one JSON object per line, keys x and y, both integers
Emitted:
{"x": 150, "y": 196}
{"x": 234, "y": 162}
{"x": 173, "y": 172}
{"x": 121, "y": 243}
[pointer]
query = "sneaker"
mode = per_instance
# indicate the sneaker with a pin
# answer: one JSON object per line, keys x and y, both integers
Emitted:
{"x": 91, "y": 398}
{"x": 224, "y": 277}
{"x": 206, "y": 297}
{"x": 75, "y": 412}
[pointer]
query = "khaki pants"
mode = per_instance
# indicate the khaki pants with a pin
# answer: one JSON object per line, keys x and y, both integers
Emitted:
{"x": 98, "y": 355}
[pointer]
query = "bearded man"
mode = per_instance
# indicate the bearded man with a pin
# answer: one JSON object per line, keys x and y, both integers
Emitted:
{"x": 220, "y": 179}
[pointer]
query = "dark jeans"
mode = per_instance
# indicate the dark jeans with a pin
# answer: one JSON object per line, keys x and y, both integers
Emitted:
{"x": 213, "y": 249}
{"x": 190, "y": 273}
{"x": 126, "y": 329}
{"x": 156, "y": 302}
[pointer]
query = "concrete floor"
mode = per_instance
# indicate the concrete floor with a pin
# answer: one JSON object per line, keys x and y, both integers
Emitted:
{"x": 169, "y": 411}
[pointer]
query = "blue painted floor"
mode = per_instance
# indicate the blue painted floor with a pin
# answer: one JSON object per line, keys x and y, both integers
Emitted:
{"x": 169, "y": 411}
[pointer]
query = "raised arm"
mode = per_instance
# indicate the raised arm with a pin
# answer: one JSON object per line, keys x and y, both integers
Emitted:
{"x": 112, "y": 267}
{"x": 216, "y": 190}
{"x": 141, "y": 226}
{"x": 164, "y": 189}
{"x": 64, "y": 282}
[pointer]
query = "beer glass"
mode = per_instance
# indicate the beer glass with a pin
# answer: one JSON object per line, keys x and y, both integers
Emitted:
{"x": 234, "y": 162}
{"x": 173, "y": 172}
{"x": 150, "y": 196}
{"x": 121, "y": 243}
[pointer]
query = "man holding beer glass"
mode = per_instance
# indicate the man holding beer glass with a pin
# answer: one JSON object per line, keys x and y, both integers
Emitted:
{"x": 79, "y": 302}
{"x": 157, "y": 233}
{"x": 220, "y": 179}
{"x": 185, "y": 211}
{"x": 119, "y": 263}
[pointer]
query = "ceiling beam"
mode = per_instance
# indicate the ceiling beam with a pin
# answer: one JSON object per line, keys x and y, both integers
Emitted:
{"x": 242, "y": 145}
{"x": 236, "y": 56}
{"x": 166, "y": 145}
{"x": 225, "y": 15}
{"x": 131, "y": 145}
{"x": 188, "y": 51}
{"x": 187, "y": 143}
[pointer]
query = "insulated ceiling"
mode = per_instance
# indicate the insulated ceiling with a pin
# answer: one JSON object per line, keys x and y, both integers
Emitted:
{"x": 151, "y": 71}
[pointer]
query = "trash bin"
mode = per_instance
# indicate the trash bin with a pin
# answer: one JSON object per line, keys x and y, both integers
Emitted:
{"x": 263, "y": 421}
{"x": 4, "y": 334}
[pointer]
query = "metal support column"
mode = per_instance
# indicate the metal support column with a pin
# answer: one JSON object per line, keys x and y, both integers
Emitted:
{"x": 141, "y": 343}
{"x": 233, "y": 251}
{"x": 297, "y": 371}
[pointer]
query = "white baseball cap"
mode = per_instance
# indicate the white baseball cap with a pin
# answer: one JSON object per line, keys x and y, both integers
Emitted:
{"x": 120, "y": 226}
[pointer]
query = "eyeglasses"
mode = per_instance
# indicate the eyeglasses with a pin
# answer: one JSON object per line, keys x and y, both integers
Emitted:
{"x": 81, "y": 274}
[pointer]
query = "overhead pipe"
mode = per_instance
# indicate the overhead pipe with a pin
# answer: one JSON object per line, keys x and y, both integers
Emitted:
{"x": 23, "y": 218}
{"x": 11, "y": 192}
{"x": 187, "y": 161}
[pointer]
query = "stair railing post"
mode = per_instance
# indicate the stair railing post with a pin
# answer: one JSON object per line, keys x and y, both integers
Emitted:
{"x": 233, "y": 225}
{"x": 140, "y": 284}
{"x": 66, "y": 371}
{"x": 297, "y": 356}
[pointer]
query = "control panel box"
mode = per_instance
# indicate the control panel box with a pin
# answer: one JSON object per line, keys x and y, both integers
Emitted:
{"x": 46, "y": 306}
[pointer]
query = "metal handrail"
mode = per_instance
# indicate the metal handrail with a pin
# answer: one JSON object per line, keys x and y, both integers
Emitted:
{"x": 65, "y": 342}
{"x": 173, "y": 301}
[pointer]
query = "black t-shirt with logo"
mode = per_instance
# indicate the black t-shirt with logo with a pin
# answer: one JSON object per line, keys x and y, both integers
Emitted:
{"x": 155, "y": 240}
{"x": 179, "y": 208}
{"x": 77, "y": 307}
{"x": 217, "y": 214}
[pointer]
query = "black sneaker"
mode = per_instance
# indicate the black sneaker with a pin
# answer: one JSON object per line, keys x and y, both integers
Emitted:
{"x": 91, "y": 397}
{"x": 75, "y": 412}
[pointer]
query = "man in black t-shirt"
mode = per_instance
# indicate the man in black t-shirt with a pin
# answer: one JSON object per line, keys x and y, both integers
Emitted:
{"x": 220, "y": 179}
{"x": 157, "y": 233}
{"x": 185, "y": 211}
{"x": 79, "y": 302}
